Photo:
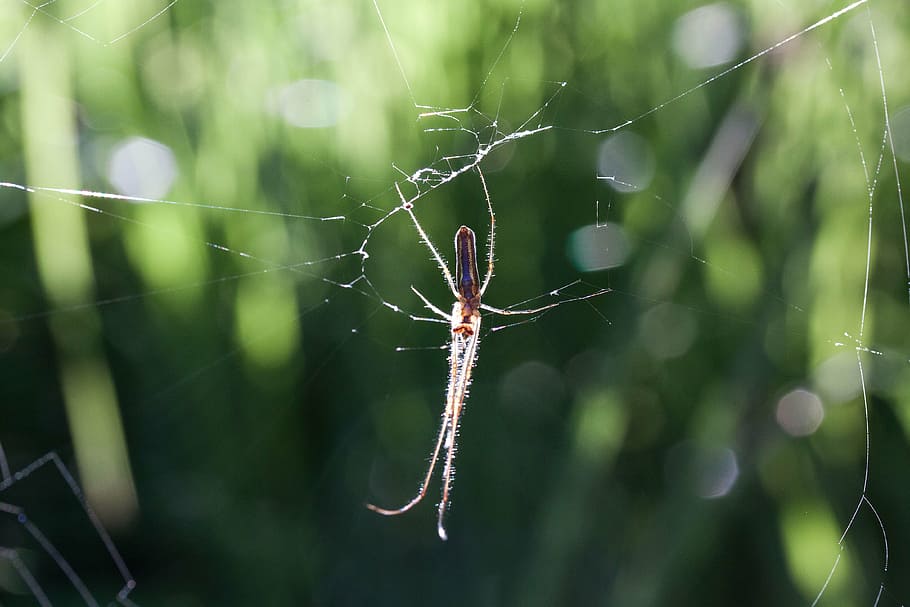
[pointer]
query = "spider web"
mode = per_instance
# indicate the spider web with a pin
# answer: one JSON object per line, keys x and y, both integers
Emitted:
{"x": 331, "y": 256}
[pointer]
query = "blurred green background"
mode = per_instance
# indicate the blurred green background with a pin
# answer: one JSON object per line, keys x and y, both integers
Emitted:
{"x": 218, "y": 362}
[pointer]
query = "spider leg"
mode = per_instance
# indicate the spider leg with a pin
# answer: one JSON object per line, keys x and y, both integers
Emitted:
{"x": 422, "y": 491}
{"x": 409, "y": 208}
{"x": 503, "y": 312}
{"x": 542, "y": 309}
{"x": 430, "y": 306}
{"x": 457, "y": 393}
{"x": 444, "y": 433}
{"x": 491, "y": 239}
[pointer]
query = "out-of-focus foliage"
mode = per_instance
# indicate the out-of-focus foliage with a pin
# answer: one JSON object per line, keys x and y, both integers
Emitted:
{"x": 218, "y": 355}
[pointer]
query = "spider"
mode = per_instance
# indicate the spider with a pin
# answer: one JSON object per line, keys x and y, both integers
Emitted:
{"x": 465, "y": 323}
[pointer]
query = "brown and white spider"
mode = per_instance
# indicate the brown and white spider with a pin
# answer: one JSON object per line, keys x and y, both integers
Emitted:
{"x": 465, "y": 322}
